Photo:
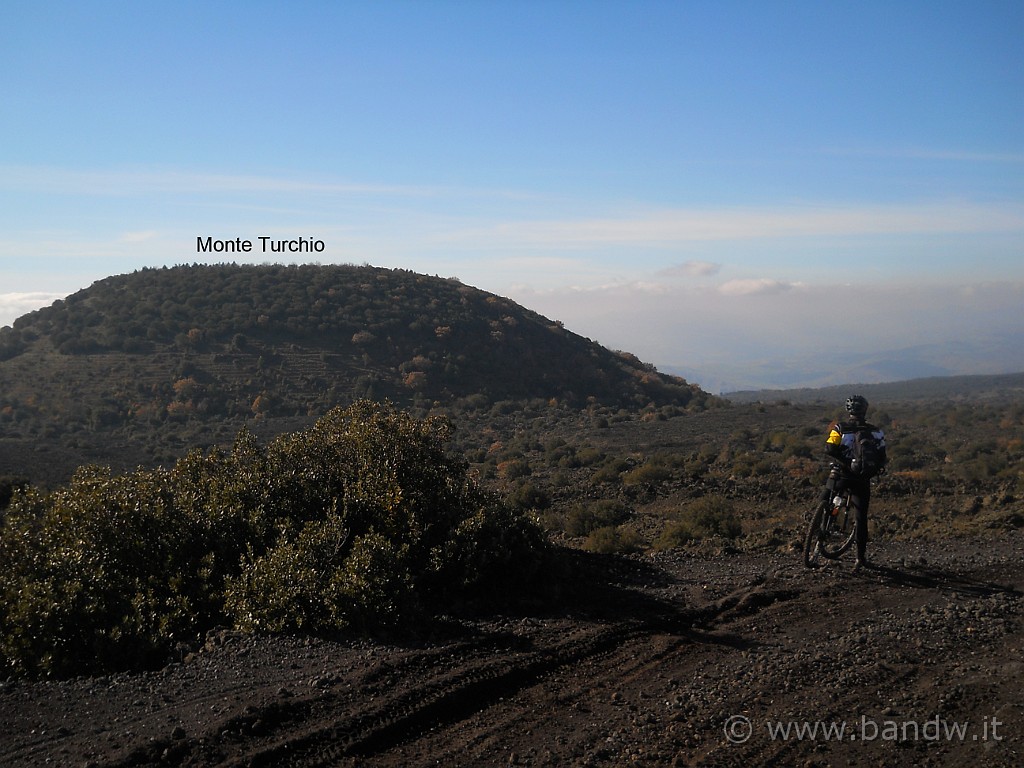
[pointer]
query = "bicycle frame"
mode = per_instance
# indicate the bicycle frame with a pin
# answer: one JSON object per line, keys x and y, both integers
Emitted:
{"x": 832, "y": 526}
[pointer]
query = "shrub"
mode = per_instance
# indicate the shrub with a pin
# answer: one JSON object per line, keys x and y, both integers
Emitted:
{"x": 100, "y": 575}
{"x": 610, "y": 471}
{"x": 301, "y": 585}
{"x": 514, "y": 469}
{"x": 608, "y": 474}
{"x": 797, "y": 448}
{"x": 582, "y": 519}
{"x": 356, "y": 523}
{"x": 676, "y": 533}
{"x": 529, "y": 496}
{"x": 613, "y": 539}
{"x": 8, "y": 487}
{"x": 648, "y": 474}
{"x": 589, "y": 456}
{"x": 707, "y": 516}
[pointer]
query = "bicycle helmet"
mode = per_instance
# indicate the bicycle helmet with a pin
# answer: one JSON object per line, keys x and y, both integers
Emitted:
{"x": 857, "y": 406}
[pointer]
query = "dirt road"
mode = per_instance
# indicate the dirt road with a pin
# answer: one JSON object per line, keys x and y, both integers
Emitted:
{"x": 656, "y": 660}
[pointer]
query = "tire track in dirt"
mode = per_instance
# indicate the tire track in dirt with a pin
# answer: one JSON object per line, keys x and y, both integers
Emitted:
{"x": 623, "y": 650}
{"x": 324, "y": 729}
{"x": 617, "y": 686}
{"x": 642, "y": 669}
{"x": 435, "y": 702}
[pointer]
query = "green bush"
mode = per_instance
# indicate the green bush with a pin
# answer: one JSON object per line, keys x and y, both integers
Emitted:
{"x": 582, "y": 519}
{"x": 610, "y": 471}
{"x": 8, "y": 487}
{"x": 649, "y": 474}
{"x": 589, "y": 456}
{"x": 103, "y": 574}
{"x": 612, "y": 540}
{"x": 707, "y": 516}
{"x": 606, "y": 475}
{"x": 359, "y": 522}
{"x": 529, "y": 496}
{"x": 300, "y": 585}
{"x": 677, "y": 533}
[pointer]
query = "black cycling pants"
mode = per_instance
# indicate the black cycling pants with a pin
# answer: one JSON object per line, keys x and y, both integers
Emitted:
{"x": 860, "y": 498}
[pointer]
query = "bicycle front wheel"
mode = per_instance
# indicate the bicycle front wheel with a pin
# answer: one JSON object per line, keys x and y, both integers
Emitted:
{"x": 812, "y": 539}
{"x": 838, "y": 529}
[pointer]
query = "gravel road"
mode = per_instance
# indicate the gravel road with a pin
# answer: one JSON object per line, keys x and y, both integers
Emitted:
{"x": 650, "y": 660}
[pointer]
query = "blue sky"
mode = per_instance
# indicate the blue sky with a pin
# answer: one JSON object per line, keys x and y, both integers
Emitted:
{"x": 731, "y": 190}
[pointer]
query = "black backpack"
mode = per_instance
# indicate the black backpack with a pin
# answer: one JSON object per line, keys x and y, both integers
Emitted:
{"x": 868, "y": 453}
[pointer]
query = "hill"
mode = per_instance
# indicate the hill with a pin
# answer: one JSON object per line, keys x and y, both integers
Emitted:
{"x": 140, "y": 367}
{"x": 676, "y": 585}
{"x": 1001, "y": 387}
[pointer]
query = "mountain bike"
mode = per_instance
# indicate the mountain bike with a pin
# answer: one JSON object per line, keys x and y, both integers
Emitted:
{"x": 833, "y": 525}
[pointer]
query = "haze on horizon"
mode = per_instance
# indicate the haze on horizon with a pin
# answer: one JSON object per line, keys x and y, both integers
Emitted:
{"x": 747, "y": 194}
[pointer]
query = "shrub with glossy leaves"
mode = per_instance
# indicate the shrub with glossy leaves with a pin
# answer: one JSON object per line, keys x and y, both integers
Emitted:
{"x": 361, "y": 521}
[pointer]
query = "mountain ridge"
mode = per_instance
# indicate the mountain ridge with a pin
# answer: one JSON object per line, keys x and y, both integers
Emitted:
{"x": 996, "y": 355}
{"x": 407, "y": 333}
{"x": 184, "y": 356}
{"x": 977, "y": 387}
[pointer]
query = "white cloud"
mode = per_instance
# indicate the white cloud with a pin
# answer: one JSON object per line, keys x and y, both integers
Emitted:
{"x": 691, "y": 269}
{"x": 672, "y": 228}
{"x": 684, "y": 326}
{"x": 14, "y": 305}
{"x": 751, "y": 287}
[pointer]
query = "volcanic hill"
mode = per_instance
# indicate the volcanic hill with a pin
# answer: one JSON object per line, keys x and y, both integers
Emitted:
{"x": 171, "y": 349}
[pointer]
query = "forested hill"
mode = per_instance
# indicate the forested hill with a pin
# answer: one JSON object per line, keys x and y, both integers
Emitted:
{"x": 227, "y": 340}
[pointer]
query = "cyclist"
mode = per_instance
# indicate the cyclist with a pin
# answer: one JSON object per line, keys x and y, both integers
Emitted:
{"x": 841, "y": 446}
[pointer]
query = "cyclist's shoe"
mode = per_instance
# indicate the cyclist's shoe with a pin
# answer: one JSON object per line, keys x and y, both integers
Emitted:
{"x": 861, "y": 562}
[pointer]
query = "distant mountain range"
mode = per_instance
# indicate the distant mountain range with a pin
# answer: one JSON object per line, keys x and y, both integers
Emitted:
{"x": 891, "y": 365}
{"x": 980, "y": 387}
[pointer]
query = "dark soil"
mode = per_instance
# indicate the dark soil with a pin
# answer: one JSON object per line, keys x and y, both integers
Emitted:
{"x": 649, "y": 660}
